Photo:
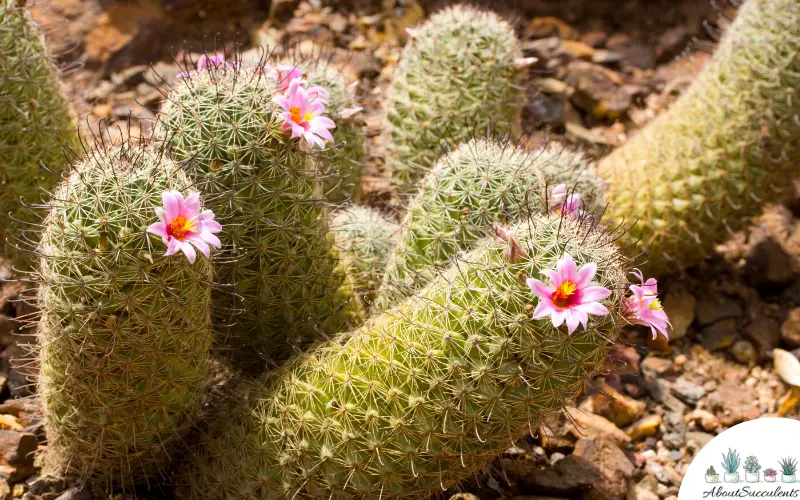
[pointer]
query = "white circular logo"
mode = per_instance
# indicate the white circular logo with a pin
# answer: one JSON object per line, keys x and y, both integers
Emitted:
{"x": 755, "y": 459}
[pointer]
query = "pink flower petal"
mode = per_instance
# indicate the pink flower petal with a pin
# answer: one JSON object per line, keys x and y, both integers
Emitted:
{"x": 554, "y": 277}
{"x": 158, "y": 228}
{"x": 201, "y": 245}
{"x": 594, "y": 308}
{"x": 191, "y": 206}
{"x": 573, "y": 319}
{"x": 585, "y": 274}
{"x": 566, "y": 268}
{"x": 211, "y": 239}
{"x": 544, "y": 308}
{"x": 594, "y": 293}
{"x": 538, "y": 288}
{"x": 173, "y": 246}
{"x": 188, "y": 250}
{"x": 172, "y": 204}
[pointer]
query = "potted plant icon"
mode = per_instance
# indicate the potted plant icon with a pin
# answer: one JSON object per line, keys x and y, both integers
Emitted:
{"x": 788, "y": 468}
{"x": 730, "y": 464}
{"x": 751, "y": 468}
{"x": 770, "y": 475}
{"x": 711, "y": 475}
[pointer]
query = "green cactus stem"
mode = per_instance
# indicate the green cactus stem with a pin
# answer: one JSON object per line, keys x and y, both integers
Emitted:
{"x": 36, "y": 122}
{"x": 364, "y": 239}
{"x": 456, "y": 75}
{"x": 125, "y": 331}
{"x": 481, "y": 182}
{"x": 728, "y": 145}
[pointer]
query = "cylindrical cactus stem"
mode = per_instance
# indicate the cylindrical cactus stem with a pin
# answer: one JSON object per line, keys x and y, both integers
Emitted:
{"x": 266, "y": 189}
{"x": 730, "y": 143}
{"x": 36, "y": 122}
{"x": 481, "y": 182}
{"x": 125, "y": 331}
{"x": 428, "y": 392}
{"x": 457, "y": 74}
{"x": 364, "y": 239}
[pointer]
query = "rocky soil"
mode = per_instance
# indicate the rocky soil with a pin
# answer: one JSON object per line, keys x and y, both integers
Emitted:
{"x": 604, "y": 71}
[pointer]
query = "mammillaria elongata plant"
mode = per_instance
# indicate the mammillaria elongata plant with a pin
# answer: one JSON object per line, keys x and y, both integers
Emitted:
{"x": 428, "y": 392}
{"x": 36, "y": 120}
{"x": 730, "y": 143}
{"x": 457, "y": 74}
{"x": 125, "y": 329}
{"x": 245, "y": 140}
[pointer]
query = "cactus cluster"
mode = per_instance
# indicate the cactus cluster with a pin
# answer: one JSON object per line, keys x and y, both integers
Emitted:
{"x": 481, "y": 182}
{"x": 287, "y": 285}
{"x": 364, "y": 239}
{"x": 457, "y": 75}
{"x": 424, "y": 394}
{"x": 36, "y": 121}
{"x": 466, "y": 350}
{"x": 124, "y": 330}
{"x": 730, "y": 143}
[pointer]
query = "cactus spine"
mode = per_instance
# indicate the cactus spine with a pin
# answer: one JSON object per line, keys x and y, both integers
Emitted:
{"x": 423, "y": 395}
{"x": 36, "y": 120}
{"x": 289, "y": 287}
{"x": 457, "y": 74}
{"x": 124, "y": 331}
{"x": 481, "y": 182}
{"x": 364, "y": 239}
{"x": 729, "y": 143}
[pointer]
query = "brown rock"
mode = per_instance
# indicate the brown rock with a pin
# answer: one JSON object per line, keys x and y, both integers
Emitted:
{"x": 672, "y": 42}
{"x": 768, "y": 264}
{"x": 614, "y": 466}
{"x": 679, "y": 305}
{"x": 717, "y": 308}
{"x": 615, "y": 406}
{"x": 579, "y": 50}
{"x": 733, "y": 403}
{"x": 646, "y": 427}
{"x": 457, "y": 496}
{"x": 766, "y": 334}
{"x": 598, "y": 90}
{"x": 595, "y": 38}
{"x": 85, "y": 494}
{"x": 17, "y": 448}
{"x": 565, "y": 477}
{"x": 633, "y": 53}
{"x": 589, "y": 424}
{"x": 654, "y": 367}
{"x": 5, "y": 490}
{"x": 720, "y": 335}
{"x": 744, "y": 352}
{"x": 707, "y": 420}
{"x": 790, "y": 329}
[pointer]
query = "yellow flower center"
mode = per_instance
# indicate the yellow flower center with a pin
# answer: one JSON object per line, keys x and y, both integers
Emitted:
{"x": 656, "y": 305}
{"x": 561, "y": 296}
{"x": 179, "y": 226}
{"x": 296, "y": 117}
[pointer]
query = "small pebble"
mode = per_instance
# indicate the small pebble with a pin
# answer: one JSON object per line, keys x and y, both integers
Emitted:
{"x": 555, "y": 457}
{"x": 680, "y": 359}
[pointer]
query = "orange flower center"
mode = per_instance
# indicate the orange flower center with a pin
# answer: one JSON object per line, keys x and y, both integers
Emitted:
{"x": 297, "y": 117}
{"x": 179, "y": 226}
{"x": 562, "y": 296}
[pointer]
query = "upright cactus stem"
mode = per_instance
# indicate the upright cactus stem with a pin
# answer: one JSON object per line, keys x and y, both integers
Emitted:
{"x": 728, "y": 145}
{"x": 364, "y": 240}
{"x": 36, "y": 120}
{"x": 289, "y": 287}
{"x": 481, "y": 182}
{"x": 425, "y": 394}
{"x": 457, "y": 74}
{"x": 125, "y": 331}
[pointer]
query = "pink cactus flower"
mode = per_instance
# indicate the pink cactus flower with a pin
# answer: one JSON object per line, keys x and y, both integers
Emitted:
{"x": 205, "y": 62}
{"x": 644, "y": 308}
{"x": 570, "y": 296}
{"x": 285, "y": 75}
{"x": 515, "y": 251}
{"x": 303, "y": 117}
{"x": 183, "y": 226}
{"x": 562, "y": 202}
